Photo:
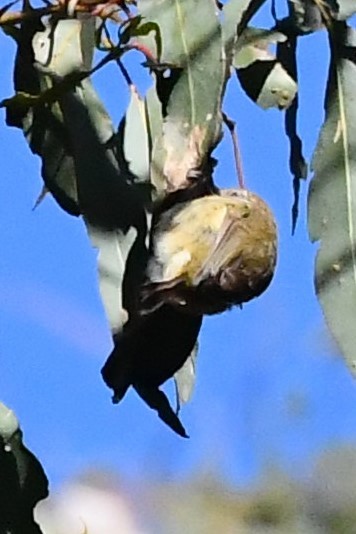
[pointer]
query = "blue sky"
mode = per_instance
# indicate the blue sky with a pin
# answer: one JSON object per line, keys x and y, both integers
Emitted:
{"x": 271, "y": 388}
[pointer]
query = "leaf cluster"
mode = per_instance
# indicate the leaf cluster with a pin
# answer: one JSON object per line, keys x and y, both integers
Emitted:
{"x": 115, "y": 178}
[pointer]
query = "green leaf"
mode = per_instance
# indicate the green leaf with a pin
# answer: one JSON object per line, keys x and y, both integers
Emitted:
{"x": 236, "y": 16}
{"x": 191, "y": 90}
{"x": 155, "y": 134}
{"x": 263, "y": 78}
{"x": 42, "y": 123}
{"x": 135, "y": 142}
{"x": 332, "y": 196}
{"x": 185, "y": 378}
{"x": 22, "y": 483}
{"x": 287, "y": 55}
{"x": 109, "y": 194}
{"x": 346, "y": 8}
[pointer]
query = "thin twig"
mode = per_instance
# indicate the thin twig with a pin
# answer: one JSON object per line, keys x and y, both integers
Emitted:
{"x": 15, "y": 17}
{"x": 119, "y": 63}
{"x": 231, "y": 125}
{"x": 18, "y": 16}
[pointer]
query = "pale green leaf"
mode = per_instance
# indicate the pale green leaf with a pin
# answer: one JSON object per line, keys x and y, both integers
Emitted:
{"x": 254, "y": 45}
{"x": 155, "y": 132}
{"x": 185, "y": 378}
{"x": 332, "y": 197}
{"x": 236, "y": 16}
{"x": 346, "y": 8}
{"x": 135, "y": 144}
{"x": 262, "y": 77}
{"x": 42, "y": 123}
{"x": 191, "y": 90}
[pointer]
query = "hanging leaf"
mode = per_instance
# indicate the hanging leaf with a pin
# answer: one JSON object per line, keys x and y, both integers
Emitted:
{"x": 191, "y": 89}
{"x": 261, "y": 75}
{"x": 155, "y": 135}
{"x": 22, "y": 483}
{"x": 185, "y": 379}
{"x": 286, "y": 54}
{"x": 332, "y": 196}
{"x": 135, "y": 142}
{"x": 111, "y": 201}
{"x": 345, "y": 9}
{"x": 233, "y": 12}
{"x": 237, "y": 15}
{"x": 43, "y": 125}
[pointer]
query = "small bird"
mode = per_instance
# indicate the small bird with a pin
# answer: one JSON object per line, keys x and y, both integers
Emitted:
{"x": 211, "y": 253}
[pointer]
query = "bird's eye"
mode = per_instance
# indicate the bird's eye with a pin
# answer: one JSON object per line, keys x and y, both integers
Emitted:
{"x": 246, "y": 212}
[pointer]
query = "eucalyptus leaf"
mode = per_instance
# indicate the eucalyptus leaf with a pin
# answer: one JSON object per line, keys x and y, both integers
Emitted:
{"x": 332, "y": 196}
{"x": 346, "y": 8}
{"x": 185, "y": 378}
{"x": 111, "y": 205}
{"x": 42, "y": 124}
{"x": 233, "y": 12}
{"x": 110, "y": 201}
{"x": 191, "y": 90}
{"x": 22, "y": 483}
{"x": 155, "y": 135}
{"x": 135, "y": 143}
{"x": 286, "y": 54}
{"x": 262, "y": 76}
{"x": 253, "y": 45}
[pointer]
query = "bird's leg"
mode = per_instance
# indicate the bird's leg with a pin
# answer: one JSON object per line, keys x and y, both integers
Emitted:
{"x": 231, "y": 125}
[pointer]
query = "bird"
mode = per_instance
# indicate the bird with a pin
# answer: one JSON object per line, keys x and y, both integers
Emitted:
{"x": 210, "y": 253}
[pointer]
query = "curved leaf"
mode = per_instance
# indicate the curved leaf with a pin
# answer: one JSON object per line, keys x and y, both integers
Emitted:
{"x": 332, "y": 196}
{"x": 22, "y": 482}
{"x": 191, "y": 88}
{"x": 287, "y": 55}
{"x": 43, "y": 124}
{"x": 262, "y": 76}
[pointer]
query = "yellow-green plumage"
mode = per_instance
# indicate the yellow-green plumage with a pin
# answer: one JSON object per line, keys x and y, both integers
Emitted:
{"x": 212, "y": 252}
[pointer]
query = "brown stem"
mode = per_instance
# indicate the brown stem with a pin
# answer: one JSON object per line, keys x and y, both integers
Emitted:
{"x": 231, "y": 125}
{"x": 18, "y": 16}
{"x": 15, "y": 17}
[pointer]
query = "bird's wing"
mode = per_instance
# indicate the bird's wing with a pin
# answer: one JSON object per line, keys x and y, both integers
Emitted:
{"x": 224, "y": 248}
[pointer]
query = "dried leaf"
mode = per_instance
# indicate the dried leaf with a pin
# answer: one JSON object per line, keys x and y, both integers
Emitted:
{"x": 332, "y": 196}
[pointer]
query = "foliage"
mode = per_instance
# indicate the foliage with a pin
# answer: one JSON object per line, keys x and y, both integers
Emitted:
{"x": 22, "y": 483}
{"x": 121, "y": 181}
